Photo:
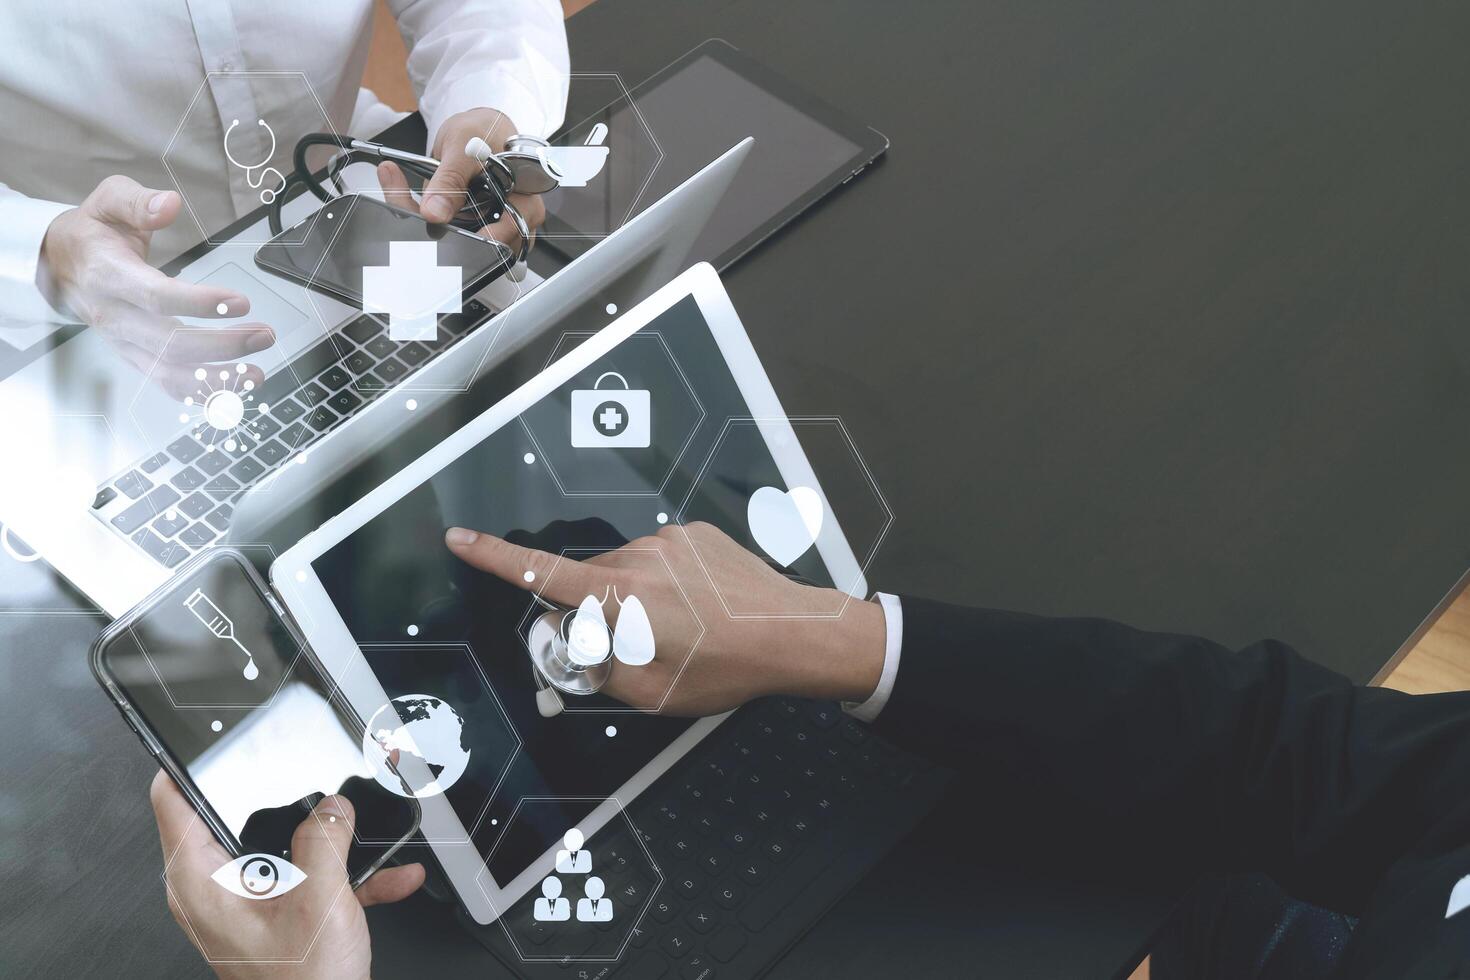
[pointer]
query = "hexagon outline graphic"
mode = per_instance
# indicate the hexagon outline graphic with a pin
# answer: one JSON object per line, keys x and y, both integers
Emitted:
{"x": 863, "y": 561}
{"x": 179, "y": 129}
{"x": 469, "y": 653}
{"x": 536, "y": 608}
{"x": 585, "y": 335}
{"x": 636, "y": 920}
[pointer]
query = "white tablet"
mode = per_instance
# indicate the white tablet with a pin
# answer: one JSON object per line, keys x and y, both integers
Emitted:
{"x": 664, "y": 415}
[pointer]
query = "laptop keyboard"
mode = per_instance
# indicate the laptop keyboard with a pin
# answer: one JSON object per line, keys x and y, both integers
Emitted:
{"x": 180, "y": 500}
{"x": 757, "y": 832}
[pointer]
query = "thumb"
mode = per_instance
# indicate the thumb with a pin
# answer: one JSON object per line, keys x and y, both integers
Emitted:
{"x": 319, "y": 846}
{"x": 123, "y": 201}
{"x": 448, "y": 190}
{"x": 558, "y": 579}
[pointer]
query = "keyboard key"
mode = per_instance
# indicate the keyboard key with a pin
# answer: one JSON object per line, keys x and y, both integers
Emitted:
{"x": 295, "y": 435}
{"x": 271, "y": 453}
{"x": 729, "y": 895}
{"x": 170, "y": 522}
{"x": 321, "y": 418}
{"x": 726, "y": 943}
{"x": 198, "y": 535}
{"x": 311, "y": 393}
{"x": 242, "y": 445}
{"x": 686, "y": 882}
{"x": 777, "y": 850}
{"x": 363, "y": 329}
{"x": 247, "y": 470}
{"x": 712, "y": 862}
{"x": 697, "y": 968}
{"x": 344, "y": 402}
{"x": 314, "y": 361}
{"x": 184, "y": 449}
{"x": 287, "y": 411}
{"x": 140, "y": 513}
{"x": 702, "y": 919}
{"x": 414, "y": 354}
{"x": 213, "y": 463}
{"x": 196, "y": 506}
{"x": 104, "y": 497}
{"x": 333, "y": 378}
{"x": 380, "y": 347}
{"x": 824, "y": 714}
{"x": 188, "y": 479}
{"x": 263, "y": 427}
{"x": 164, "y": 552}
{"x": 753, "y": 872}
{"x": 134, "y": 484}
{"x": 738, "y": 839}
{"x": 390, "y": 370}
{"x": 219, "y": 518}
{"x": 676, "y": 943}
{"x": 360, "y": 362}
{"x": 152, "y": 463}
{"x": 640, "y": 937}
{"x": 663, "y": 910}
{"x": 222, "y": 487}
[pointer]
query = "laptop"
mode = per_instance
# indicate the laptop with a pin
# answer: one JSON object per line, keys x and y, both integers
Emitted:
{"x": 714, "y": 851}
{"x": 122, "y": 486}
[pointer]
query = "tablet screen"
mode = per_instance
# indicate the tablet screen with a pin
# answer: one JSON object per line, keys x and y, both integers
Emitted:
{"x": 565, "y": 477}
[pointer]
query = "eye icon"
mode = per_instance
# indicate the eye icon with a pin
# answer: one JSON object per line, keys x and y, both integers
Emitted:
{"x": 258, "y": 876}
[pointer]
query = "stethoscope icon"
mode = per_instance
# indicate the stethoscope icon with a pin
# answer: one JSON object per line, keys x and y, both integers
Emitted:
{"x": 256, "y": 179}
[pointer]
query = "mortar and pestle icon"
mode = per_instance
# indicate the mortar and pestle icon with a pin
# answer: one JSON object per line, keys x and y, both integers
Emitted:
{"x": 573, "y": 166}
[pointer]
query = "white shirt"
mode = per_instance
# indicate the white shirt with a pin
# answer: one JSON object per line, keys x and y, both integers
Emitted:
{"x": 892, "y": 647}
{"x": 89, "y": 89}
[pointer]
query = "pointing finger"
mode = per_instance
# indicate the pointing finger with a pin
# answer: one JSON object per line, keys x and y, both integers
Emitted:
{"x": 559, "y": 579}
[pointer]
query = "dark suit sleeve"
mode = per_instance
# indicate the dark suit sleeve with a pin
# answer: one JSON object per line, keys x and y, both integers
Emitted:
{"x": 1173, "y": 755}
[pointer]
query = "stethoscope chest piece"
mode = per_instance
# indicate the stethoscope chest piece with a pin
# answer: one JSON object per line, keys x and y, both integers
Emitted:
{"x": 568, "y": 653}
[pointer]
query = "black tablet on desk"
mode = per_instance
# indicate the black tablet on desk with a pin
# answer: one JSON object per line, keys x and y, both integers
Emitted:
{"x": 674, "y": 123}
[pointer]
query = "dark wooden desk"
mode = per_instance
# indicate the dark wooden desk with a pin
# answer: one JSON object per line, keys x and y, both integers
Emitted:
{"x": 1155, "y": 311}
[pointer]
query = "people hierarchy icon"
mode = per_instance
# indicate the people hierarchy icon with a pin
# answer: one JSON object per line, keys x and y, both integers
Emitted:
{"x": 573, "y": 859}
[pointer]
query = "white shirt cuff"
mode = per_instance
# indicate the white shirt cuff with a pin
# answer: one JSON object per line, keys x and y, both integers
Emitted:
{"x": 26, "y": 220}
{"x": 893, "y": 644}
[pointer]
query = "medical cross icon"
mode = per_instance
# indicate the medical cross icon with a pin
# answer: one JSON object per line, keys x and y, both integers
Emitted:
{"x": 413, "y": 289}
{"x": 611, "y": 419}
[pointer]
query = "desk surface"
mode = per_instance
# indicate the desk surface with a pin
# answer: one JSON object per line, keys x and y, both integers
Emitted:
{"x": 1153, "y": 311}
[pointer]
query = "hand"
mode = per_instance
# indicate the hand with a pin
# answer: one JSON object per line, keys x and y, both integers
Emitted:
{"x": 836, "y": 657}
{"x": 97, "y": 254}
{"x": 447, "y": 191}
{"x": 235, "y": 928}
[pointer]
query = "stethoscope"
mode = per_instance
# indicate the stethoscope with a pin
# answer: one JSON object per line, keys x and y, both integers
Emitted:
{"x": 267, "y": 194}
{"x": 570, "y": 653}
{"x": 519, "y": 169}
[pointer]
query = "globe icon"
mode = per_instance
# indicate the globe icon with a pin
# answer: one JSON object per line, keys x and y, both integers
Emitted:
{"x": 428, "y": 735}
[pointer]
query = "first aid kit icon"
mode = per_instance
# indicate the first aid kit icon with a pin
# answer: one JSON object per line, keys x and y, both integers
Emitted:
{"x": 611, "y": 418}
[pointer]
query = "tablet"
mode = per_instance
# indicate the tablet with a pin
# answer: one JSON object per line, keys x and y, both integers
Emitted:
{"x": 391, "y": 614}
{"x": 687, "y": 115}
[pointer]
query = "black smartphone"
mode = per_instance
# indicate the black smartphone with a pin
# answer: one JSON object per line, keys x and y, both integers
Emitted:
{"x": 329, "y": 250}
{"x": 223, "y": 692}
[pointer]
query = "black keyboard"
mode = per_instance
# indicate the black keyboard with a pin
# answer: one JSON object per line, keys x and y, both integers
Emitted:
{"x": 180, "y": 500}
{"x": 756, "y": 833}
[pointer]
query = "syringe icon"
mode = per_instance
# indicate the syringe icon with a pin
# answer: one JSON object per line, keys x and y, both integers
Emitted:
{"x": 214, "y": 620}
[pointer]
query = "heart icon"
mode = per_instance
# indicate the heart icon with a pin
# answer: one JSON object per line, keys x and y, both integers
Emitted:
{"x": 785, "y": 524}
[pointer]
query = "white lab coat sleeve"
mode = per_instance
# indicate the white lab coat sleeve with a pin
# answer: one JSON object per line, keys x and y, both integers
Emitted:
{"x": 23, "y": 224}
{"x": 892, "y": 648}
{"x": 509, "y": 55}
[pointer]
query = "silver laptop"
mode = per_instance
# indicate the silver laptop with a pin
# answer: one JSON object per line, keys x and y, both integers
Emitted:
{"x": 114, "y": 483}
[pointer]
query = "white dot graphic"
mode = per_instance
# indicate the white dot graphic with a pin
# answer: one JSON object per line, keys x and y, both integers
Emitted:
{"x": 224, "y": 409}
{"x": 662, "y": 518}
{"x": 529, "y": 576}
{"x": 529, "y": 458}
{"x": 216, "y": 726}
{"x": 222, "y": 309}
{"x": 199, "y": 374}
{"x": 612, "y": 731}
{"x": 413, "y": 629}
{"x": 612, "y": 308}
{"x": 494, "y": 822}
{"x": 411, "y": 404}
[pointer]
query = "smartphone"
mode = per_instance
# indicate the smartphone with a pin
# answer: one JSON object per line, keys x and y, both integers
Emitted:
{"x": 221, "y": 689}
{"x": 328, "y": 251}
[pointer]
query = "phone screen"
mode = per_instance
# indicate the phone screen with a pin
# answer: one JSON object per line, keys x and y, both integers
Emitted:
{"x": 230, "y": 695}
{"x": 354, "y": 233}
